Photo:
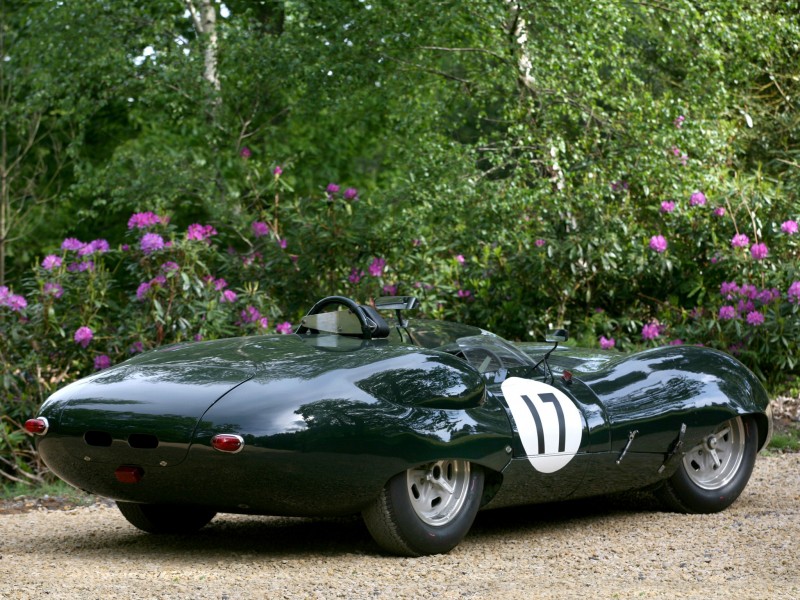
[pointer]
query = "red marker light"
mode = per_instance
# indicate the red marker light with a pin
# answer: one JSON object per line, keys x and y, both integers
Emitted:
{"x": 126, "y": 474}
{"x": 37, "y": 426}
{"x": 228, "y": 442}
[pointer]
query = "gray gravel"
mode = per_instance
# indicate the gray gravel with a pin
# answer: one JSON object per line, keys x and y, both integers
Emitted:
{"x": 618, "y": 548}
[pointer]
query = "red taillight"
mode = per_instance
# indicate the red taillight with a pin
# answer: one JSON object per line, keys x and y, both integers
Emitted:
{"x": 37, "y": 426}
{"x": 227, "y": 442}
{"x": 127, "y": 474}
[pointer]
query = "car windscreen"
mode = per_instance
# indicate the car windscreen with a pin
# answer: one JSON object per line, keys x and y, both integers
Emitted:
{"x": 492, "y": 357}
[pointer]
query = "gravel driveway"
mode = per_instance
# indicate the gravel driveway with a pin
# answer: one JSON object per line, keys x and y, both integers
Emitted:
{"x": 613, "y": 548}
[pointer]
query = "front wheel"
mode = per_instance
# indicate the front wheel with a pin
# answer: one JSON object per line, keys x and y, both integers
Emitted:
{"x": 426, "y": 510}
{"x": 164, "y": 518}
{"x": 714, "y": 472}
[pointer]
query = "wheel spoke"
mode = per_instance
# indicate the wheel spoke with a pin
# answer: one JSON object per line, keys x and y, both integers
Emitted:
{"x": 715, "y": 458}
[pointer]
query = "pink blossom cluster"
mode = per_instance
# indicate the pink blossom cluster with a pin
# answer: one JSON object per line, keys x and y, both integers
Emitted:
{"x": 607, "y": 343}
{"x": 200, "y": 233}
{"x": 143, "y": 220}
{"x": 252, "y": 315}
{"x": 15, "y": 302}
{"x": 333, "y": 189}
{"x": 284, "y": 328}
{"x": 377, "y": 267}
{"x": 83, "y": 336}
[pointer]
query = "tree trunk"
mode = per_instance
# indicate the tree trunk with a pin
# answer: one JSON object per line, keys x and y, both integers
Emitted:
{"x": 205, "y": 23}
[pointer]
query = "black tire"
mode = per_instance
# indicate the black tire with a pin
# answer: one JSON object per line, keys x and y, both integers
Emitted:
{"x": 711, "y": 475}
{"x": 426, "y": 510}
{"x": 163, "y": 518}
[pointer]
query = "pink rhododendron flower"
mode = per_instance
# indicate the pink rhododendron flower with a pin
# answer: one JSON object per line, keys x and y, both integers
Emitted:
{"x": 136, "y": 347}
{"x": 101, "y": 362}
{"x": 748, "y": 290}
{"x": 355, "y": 276}
{"x": 719, "y": 211}
{"x": 789, "y": 227}
{"x": 460, "y": 259}
{"x": 53, "y": 289}
{"x": 697, "y": 199}
{"x": 332, "y": 189}
{"x": 377, "y": 266}
{"x": 250, "y": 314}
{"x": 727, "y": 313}
{"x": 794, "y": 292}
{"x": 390, "y": 290}
{"x": 350, "y": 194}
{"x": 283, "y": 243}
{"x": 83, "y": 335}
{"x": 144, "y": 220}
{"x": 464, "y": 293}
{"x": 667, "y": 206}
{"x": 245, "y": 153}
{"x": 650, "y": 331}
{"x": 607, "y": 343}
{"x": 759, "y": 251}
{"x": 170, "y": 266}
{"x": 228, "y": 296}
{"x": 260, "y": 229}
{"x": 678, "y": 122}
{"x": 72, "y": 244}
{"x": 658, "y": 243}
{"x": 740, "y": 240}
{"x": 676, "y": 342}
{"x": 755, "y": 318}
{"x": 728, "y": 288}
{"x": 86, "y": 265}
{"x": 277, "y": 171}
{"x": 201, "y": 233}
{"x": 284, "y": 328}
{"x": 151, "y": 242}
{"x": 51, "y": 261}
{"x": 540, "y": 242}
{"x": 15, "y": 302}
{"x": 99, "y": 246}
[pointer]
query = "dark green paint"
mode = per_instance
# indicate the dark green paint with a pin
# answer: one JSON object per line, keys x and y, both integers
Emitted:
{"x": 328, "y": 419}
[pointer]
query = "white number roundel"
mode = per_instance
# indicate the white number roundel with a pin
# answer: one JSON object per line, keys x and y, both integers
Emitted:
{"x": 550, "y": 425}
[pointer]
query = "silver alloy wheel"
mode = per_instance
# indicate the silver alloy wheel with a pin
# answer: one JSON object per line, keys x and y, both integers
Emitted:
{"x": 713, "y": 463}
{"x": 437, "y": 490}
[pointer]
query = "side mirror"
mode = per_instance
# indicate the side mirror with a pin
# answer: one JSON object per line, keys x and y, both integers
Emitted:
{"x": 559, "y": 335}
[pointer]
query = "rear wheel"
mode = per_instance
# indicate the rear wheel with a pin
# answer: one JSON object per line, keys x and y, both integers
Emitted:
{"x": 426, "y": 510}
{"x": 713, "y": 473}
{"x": 164, "y": 518}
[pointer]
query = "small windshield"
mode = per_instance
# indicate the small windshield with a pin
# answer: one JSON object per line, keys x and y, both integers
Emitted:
{"x": 493, "y": 357}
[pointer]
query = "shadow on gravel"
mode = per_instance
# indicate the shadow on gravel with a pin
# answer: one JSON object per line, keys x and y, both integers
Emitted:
{"x": 228, "y": 537}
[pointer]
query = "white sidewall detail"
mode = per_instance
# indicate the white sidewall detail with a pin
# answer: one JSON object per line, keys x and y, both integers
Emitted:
{"x": 551, "y": 458}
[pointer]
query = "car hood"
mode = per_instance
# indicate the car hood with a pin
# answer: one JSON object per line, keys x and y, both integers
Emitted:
{"x": 583, "y": 360}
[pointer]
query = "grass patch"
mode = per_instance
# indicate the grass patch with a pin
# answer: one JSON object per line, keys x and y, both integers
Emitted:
{"x": 787, "y": 440}
{"x": 53, "y": 489}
